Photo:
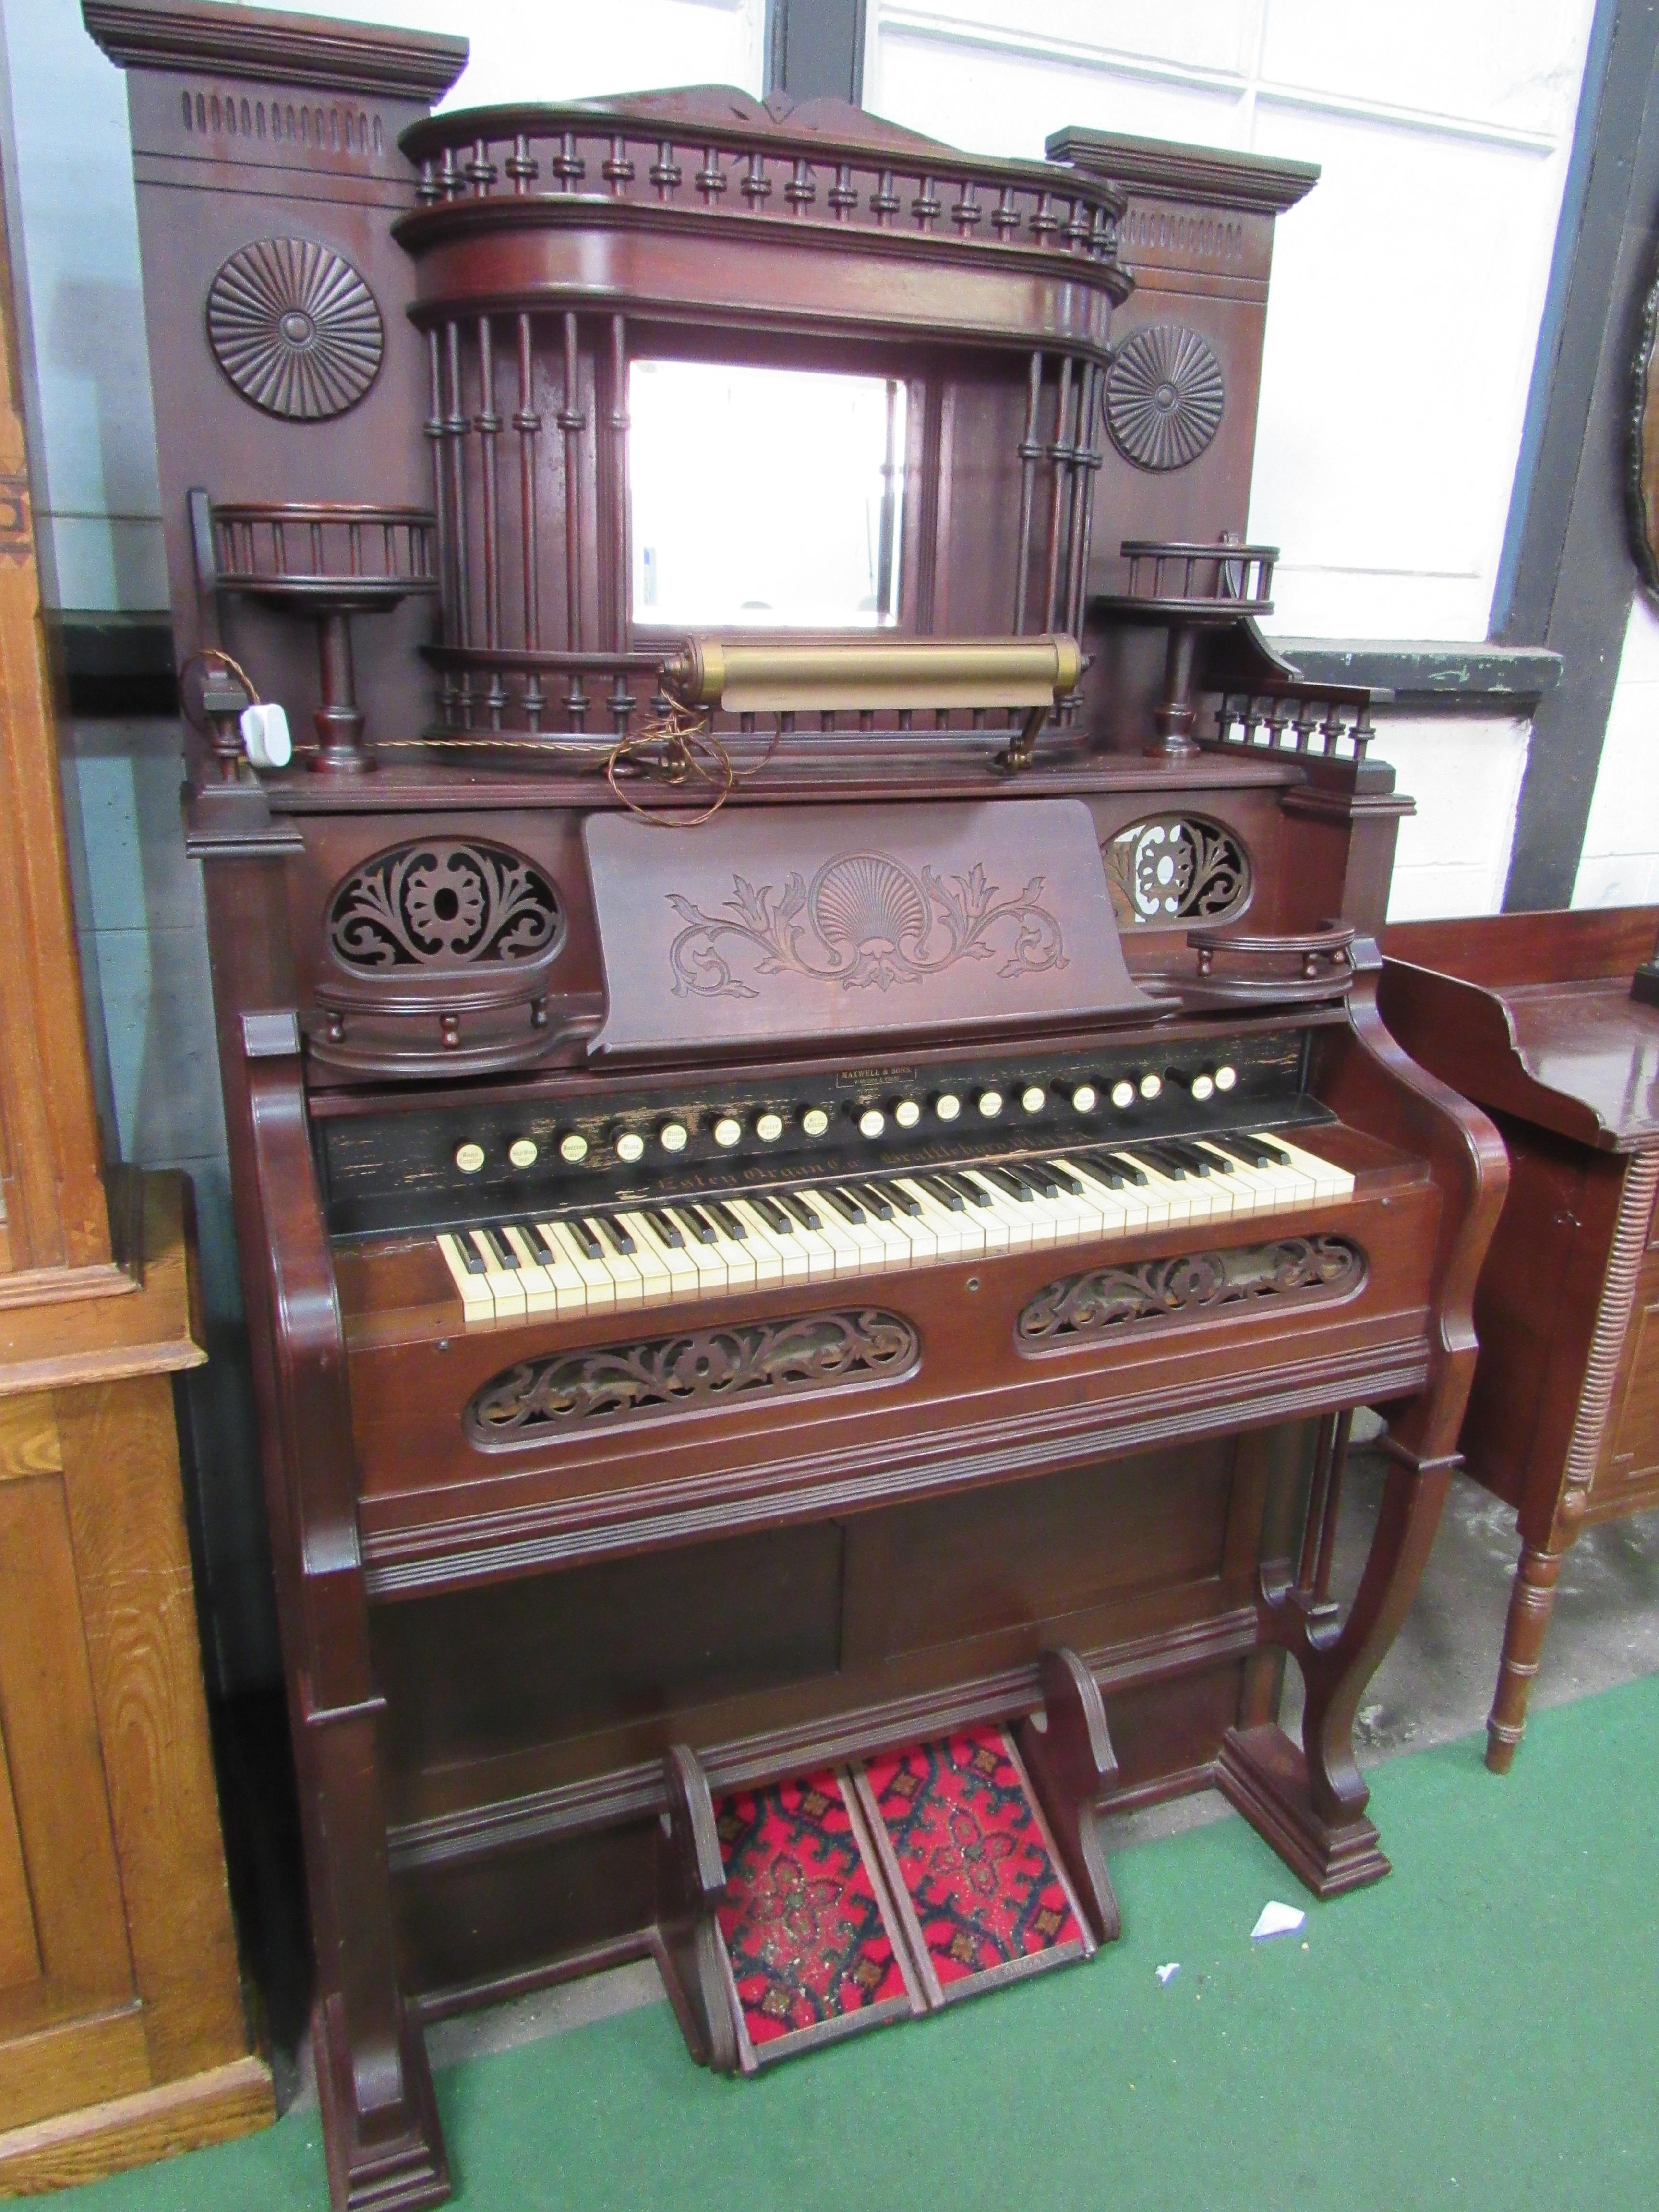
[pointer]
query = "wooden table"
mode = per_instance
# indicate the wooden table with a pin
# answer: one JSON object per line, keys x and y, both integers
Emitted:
{"x": 1531, "y": 1016}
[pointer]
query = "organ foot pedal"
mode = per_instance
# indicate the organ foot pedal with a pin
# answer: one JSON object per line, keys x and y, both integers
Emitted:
{"x": 797, "y": 1913}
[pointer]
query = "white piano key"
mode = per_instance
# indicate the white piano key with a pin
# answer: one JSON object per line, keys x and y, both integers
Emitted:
{"x": 872, "y": 1253}
{"x": 540, "y": 1293}
{"x": 1182, "y": 1195}
{"x": 708, "y": 1259}
{"x": 820, "y": 1252}
{"x": 475, "y": 1292}
{"x": 1023, "y": 1228}
{"x": 953, "y": 1235}
{"x": 654, "y": 1278}
{"x": 750, "y": 1264}
{"x": 597, "y": 1280}
{"x": 846, "y": 1252}
{"x": 793, "y": 1264}
{"x": 1330, "y": 1182}
{"x": 624, "y": 1275}
{"x": 504, "y": 1285}
{"x": 568, "y": 1286}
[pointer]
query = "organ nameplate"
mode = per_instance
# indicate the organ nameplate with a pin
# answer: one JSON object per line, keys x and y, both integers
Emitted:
{"x": 802, "y": 924}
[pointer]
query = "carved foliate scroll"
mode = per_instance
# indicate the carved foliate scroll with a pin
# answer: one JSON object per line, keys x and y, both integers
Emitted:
{"x": 704, "y": 1366}
{"x": 1109, "y": 1299}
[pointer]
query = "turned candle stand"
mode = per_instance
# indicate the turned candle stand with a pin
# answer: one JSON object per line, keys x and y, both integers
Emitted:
{"x": 1185, "y": 589}
{"x": 329, "y": 560}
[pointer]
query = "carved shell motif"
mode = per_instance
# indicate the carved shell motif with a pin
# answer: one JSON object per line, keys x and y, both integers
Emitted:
{"x": 1165, "y": 396}
{"x": 1176, "y": 867}
{"x": 443, "y": 903}
{"x": 294, "y": 328}
{"x": 868, "y": 899}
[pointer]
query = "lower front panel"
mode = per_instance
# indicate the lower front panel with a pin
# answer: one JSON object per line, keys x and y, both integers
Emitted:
{"x": 525, "y": 1723}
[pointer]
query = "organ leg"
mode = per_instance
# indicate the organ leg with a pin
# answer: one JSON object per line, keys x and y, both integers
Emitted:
{"x": 373, "y": 2082}
{"x": 1308, "y": 1802}
{"x": 380, "y": 2120}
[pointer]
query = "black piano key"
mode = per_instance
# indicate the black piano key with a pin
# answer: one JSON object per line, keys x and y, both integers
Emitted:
{"x": 665, "y": 1229}
{"x": 618, "y": 1231}
{"x": 1008, "y": 1183}
{"x": 1132, "y": 1169}
{"x": 874, "y": 1200}
{"x": 1240, "y": 1151}
{"x": 975, "y": 1192}
{"x": 797, "y": 1209}
{"x": 843, "y": 1203}
{"x": 1277, "y": 1156}
{"x": 707, "y": 1221}
{"x": 906, "y": 1201}
{"x": 729, "y": 1224}
{"x": 540, "y": 1244}
{"x": 946, "y": 1192}
{"x": 472, "y": 1258}
{"x": 772, "y": 1214}
{"x": 1111, "y": 1172}
{"x": 1197, "y": 1160}
{"x": 500, "y": 1250}
{"x": 591, "y": 1247}
{"x": 1069, "y": 1183}
{"x": 1044, "y": 1176}
{"x": 1166, "y": 1162}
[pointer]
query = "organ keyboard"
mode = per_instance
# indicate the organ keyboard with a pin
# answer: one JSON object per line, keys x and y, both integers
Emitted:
{"x": 891, "y": 1240}
{"x": 583, "y": 1260}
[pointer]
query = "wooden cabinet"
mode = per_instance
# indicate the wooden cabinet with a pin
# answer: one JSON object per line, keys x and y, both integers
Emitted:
{"x": 1531, "y": 1016}
{"x": 122, "y": 2030}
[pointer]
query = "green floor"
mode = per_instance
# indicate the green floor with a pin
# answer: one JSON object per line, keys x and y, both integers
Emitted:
{"x": 1481, "y": 2029}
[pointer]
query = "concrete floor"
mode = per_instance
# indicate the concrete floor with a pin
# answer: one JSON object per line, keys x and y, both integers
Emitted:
{"x": 1435, "y": 1685}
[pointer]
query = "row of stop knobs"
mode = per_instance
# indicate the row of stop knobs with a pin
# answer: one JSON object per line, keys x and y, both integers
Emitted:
{"x": 728, "y": 1131}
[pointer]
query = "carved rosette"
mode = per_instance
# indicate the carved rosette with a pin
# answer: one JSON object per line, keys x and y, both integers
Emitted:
{"x": 1109, "y": 1299}
{"x": 703, "y": 1367}
{"x": 1176, "y": 867}
{"x": 444, "y": 904}
{"x": 1165, "y": 395}
{"x": 295, "y": 328}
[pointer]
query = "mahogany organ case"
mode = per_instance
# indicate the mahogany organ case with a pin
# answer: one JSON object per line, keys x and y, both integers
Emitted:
{"x": 623, "y": 970}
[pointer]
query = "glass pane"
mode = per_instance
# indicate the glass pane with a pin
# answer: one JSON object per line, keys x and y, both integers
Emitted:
{"x": 764, "y": 497}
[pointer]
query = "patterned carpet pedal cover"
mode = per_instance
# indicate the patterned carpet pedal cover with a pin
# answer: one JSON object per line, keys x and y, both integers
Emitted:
{"x": 970, "y": 1862}
{"x": 806, "y": 1922}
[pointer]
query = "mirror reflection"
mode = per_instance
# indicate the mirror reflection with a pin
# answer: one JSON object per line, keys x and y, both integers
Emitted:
{"x": 764, "y": 497}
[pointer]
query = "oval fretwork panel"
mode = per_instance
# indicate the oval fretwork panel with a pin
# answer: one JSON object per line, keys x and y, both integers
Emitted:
{"x": 444, "y": 904}
{"x": 1176, "y": 867}
{"x": 703, "y": 1367}
{"x": 1107, "y": 1300}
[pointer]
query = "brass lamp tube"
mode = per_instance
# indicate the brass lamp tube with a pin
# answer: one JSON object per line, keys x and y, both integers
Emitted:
{"x": 788, "y": 676}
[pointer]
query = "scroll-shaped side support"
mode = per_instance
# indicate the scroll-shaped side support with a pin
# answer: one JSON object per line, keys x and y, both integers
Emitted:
{"x": 1309, "y": 1802}
{"x": 690, "y": 1884}
{"x": 381, "y": 2128}
{"x": 1067, "y": 1752}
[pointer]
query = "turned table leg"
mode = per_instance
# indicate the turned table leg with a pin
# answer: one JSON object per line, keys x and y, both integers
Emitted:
{"x": 1532, "y": 1600}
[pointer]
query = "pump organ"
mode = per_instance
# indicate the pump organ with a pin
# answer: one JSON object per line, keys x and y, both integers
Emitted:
{"x": 739, "y": 1293}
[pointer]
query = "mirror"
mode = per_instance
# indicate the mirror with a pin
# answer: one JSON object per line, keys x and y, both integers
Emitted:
{"x": 764, "y": 498}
